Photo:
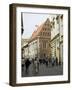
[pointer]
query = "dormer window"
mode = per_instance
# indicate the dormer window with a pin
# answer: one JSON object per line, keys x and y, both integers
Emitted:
{"x": 57, "y": 19}
{"x": 53, "y": 24}
{"x": 61, "y": 17}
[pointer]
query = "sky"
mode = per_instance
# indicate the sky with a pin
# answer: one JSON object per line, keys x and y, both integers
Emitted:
{"x": 30, "y": 20}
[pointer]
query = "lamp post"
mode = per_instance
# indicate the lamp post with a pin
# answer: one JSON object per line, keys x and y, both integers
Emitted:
{"x": 22, "y": 29}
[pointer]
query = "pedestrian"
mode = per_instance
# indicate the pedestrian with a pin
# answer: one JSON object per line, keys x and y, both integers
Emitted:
{"x": 56, "y": 61}
{"x": 49, "y": 60}
{"x": 23, "y": 64}
{"x": 53, "y": 61}
{"x": 36, "y": 65}
{"x": 43, "y": 60}
{"x": 27, "y": 64}
{"x": 46, "y": 61}
{"x": 40, "y": 61}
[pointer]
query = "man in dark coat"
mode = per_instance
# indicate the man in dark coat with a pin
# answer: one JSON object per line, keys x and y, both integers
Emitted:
{"x": 27, "y": 64}
{"x": 56, "y": 61}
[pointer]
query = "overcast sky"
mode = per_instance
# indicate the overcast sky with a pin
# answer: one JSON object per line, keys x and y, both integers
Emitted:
{"x": 30, "y": 21}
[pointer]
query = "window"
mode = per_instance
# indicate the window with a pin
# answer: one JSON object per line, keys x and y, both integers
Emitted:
{"x": 57, "y": 19}
{"x": 53, "y": 24}
{"x": 43, "y": 33}
{"x": 45, "y": 29}
{"x": 48, "y": 33}
{"x": 49, "y": 44}
{"x": 61, "y": 17}
{"x": 44, "y": 44}
{"x": 40, "y": 33}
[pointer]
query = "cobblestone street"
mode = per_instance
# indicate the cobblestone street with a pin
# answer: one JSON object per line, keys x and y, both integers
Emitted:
{"x": 43, "y": 70}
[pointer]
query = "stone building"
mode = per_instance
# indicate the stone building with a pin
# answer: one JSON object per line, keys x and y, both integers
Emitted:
{"x": 61, "y": 38}
{"x": 57, "y": 37}
{"x": 24, "y": 48}
{"x": 39, "y": 43}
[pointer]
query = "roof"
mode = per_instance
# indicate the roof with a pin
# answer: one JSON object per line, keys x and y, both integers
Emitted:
{"x": 36, "y": 32}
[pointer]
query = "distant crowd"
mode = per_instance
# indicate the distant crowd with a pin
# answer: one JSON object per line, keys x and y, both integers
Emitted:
{"x": 37, "y": 61}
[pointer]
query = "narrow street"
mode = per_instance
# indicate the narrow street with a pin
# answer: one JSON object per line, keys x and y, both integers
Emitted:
{"x": 43, "y": 70}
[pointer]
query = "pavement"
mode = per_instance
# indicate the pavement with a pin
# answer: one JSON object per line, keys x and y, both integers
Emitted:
{"x": 43, "y": 70}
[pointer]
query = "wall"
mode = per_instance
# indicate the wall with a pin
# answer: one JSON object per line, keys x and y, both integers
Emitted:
{"x": 4, "y": 45}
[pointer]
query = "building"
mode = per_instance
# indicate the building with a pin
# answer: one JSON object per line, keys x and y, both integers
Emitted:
{"x": 39, "y": 43}
{"x": 33, "y": 48}
{"x": 61, "y": 38}
{"x": 24, "y": 48}
{"x": 57, "y": 37}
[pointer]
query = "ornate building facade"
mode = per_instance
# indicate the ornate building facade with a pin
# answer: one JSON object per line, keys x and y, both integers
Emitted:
{"x": 57, "y": 37}
{"x": 39, "y": 43}
{"x": 61, "y": 38}
{"x": 46, "y": 40}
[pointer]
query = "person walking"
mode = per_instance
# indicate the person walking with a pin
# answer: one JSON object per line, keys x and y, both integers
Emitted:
{"x": 46, "y": 61}
{"x": 56, "y": 61}
{"x": 36, "y": 64}
{"x": 27, "y": 64}
{"x": 53, "y": 61}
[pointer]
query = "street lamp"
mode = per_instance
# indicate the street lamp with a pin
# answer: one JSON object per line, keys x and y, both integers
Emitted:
{"x": 22, "y": 29}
